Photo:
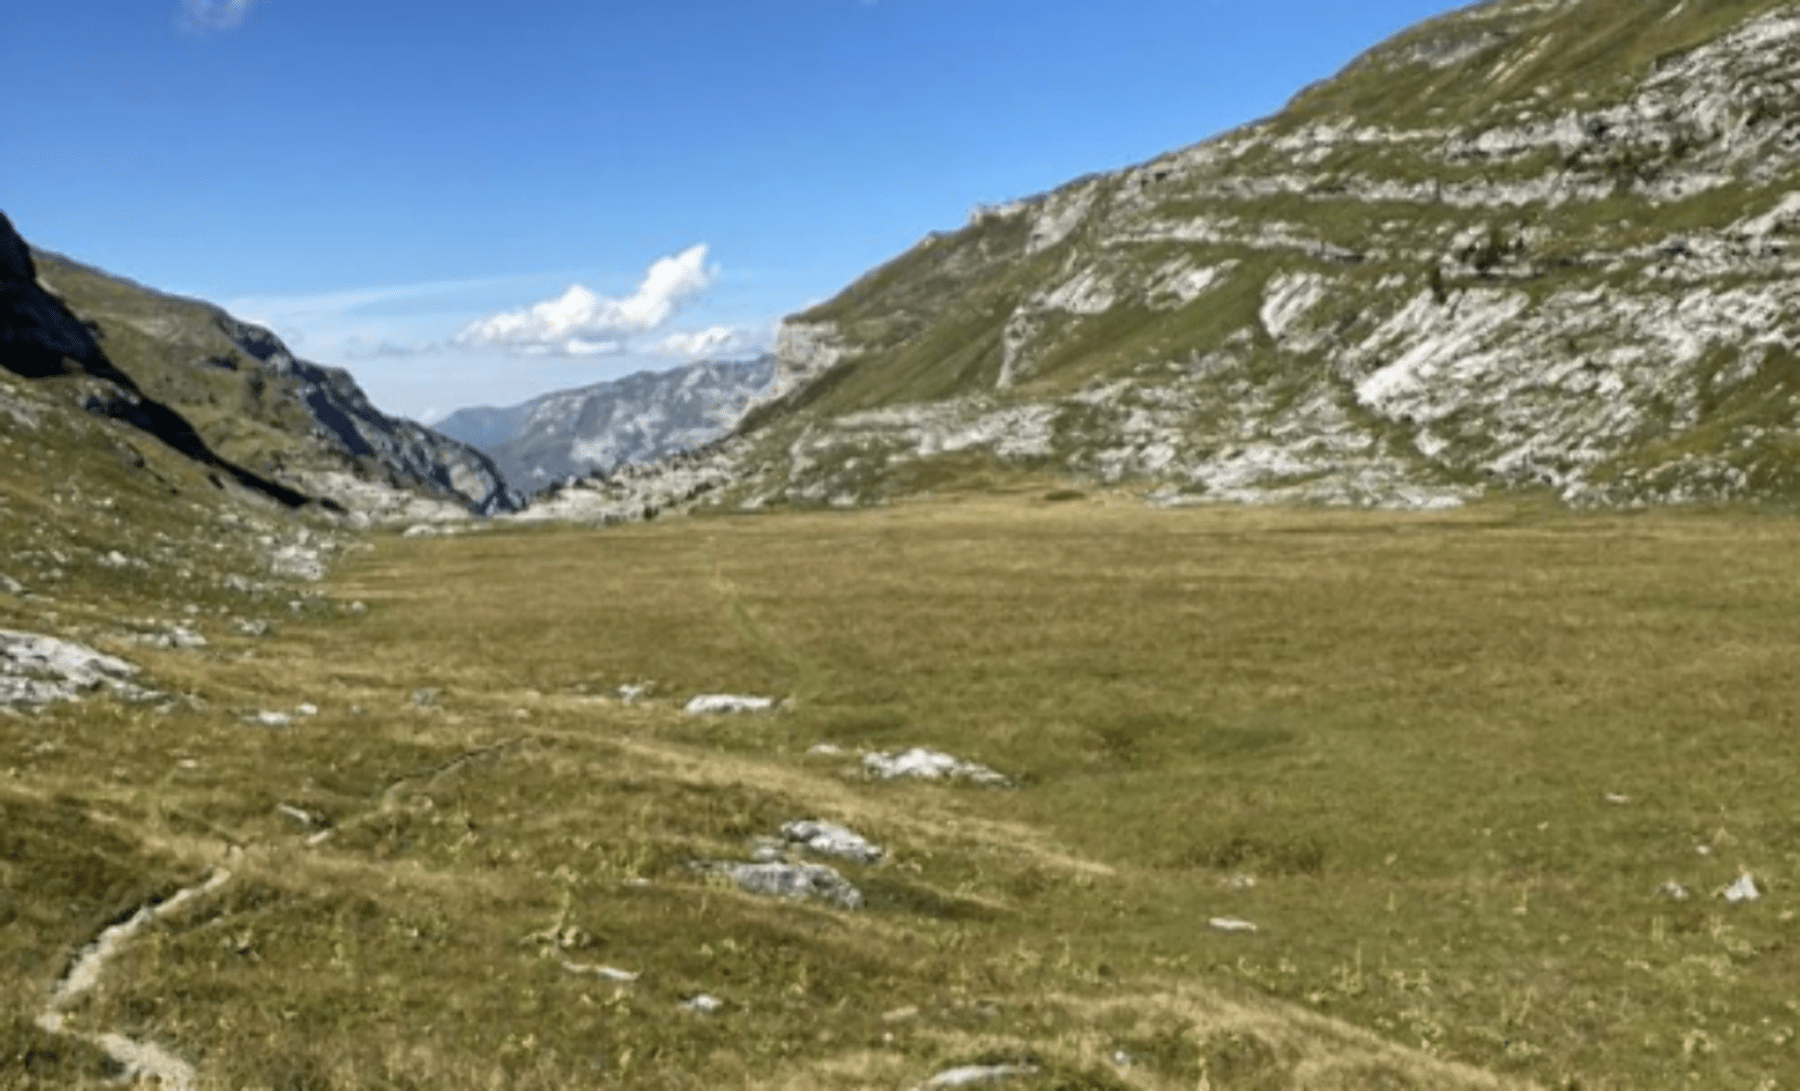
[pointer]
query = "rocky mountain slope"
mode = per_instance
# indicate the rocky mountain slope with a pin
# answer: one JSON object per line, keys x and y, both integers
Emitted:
{"x": 40, "y": 340}
{"x": 1532, "y": 244}
{"x": 644, "y": 416}
{"x": 309, "y": 428}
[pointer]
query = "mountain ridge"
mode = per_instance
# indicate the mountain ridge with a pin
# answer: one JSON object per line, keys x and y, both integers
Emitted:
{"x": 1522, "y": 246}
{"x": 284, "y": 419}
{"x": 44, "y": 340}
{"x": 604, "y": 426}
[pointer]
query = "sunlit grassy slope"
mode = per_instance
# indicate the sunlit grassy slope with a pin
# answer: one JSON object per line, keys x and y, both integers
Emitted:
{"x": 1404, "y": 729}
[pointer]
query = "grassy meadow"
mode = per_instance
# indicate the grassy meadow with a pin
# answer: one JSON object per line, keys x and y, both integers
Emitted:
{"x": 1442, "y": 762}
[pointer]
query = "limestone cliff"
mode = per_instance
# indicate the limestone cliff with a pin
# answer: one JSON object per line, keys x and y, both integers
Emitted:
{"x": 1539, "y": 244}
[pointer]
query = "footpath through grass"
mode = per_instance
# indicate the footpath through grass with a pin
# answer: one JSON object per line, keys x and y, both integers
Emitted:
{"x": 1443, "y": 763}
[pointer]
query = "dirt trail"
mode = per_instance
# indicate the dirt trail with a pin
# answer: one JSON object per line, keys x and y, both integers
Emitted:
{"x": 139, "y": 1059}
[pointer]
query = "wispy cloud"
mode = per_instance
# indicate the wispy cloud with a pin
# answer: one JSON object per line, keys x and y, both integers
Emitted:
{"x": 353, "y": 300}
{"x": 581, "y": 322}
{"x": 214, "y": 14}
{"x": 360, "y": 347}
{"x": 717, "y": 342}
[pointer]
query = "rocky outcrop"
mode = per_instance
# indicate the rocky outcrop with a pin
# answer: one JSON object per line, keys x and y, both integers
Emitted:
{"x": 606, "y": 426}
{"x": 671, "y": 485}
{"x": 803, "y": 352}
{"x": 39, "y": 670}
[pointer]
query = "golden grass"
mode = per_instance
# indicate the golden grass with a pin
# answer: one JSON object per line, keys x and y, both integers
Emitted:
{"x": 1404, "y": 728}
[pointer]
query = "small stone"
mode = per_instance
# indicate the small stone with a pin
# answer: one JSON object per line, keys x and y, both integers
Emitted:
{"x": 1744, "y": 890}
{"x": 1673, "y": 891}
{"x": 607, "y": 973}
{"x": 1238, "y": 882}
{"x": 718, "y": 703}
{"x": 703, "y": 1004}
{"x": 306, "y": 710}
{"x": 972, "y": 1075}
{"x": 300, "y": 817}
{"x": 270, "y": 719}
{"x": 830, "y": 839}
{"x": 1231, "y": 924}
{"x": 426, "y": 697}
{"x": 826, "y": 750}
{"x": 1616, "y": 799}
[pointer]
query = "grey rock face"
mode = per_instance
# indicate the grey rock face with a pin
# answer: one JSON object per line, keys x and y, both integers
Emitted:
{"x": 400, "y": 452}
{"x": 609, "y": 425}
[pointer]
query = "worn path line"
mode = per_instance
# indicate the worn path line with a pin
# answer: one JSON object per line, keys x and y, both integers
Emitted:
{"x": 137, "y": 1058}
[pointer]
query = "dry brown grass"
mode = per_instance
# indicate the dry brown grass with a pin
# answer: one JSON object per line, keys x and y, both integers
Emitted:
{"x": 1402, "y": 727}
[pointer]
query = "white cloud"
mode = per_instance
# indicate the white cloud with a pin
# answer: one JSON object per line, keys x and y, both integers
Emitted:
{"x": 711, "y": 344}
{"x": 214, "y": 14}
{"x": 582, "y": 323}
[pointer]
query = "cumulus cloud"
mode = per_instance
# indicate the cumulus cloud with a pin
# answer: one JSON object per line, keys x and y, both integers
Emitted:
{"x": 581, "y": 322}
{"x": 711, "y": 344}
{"x": 214, "y": 14}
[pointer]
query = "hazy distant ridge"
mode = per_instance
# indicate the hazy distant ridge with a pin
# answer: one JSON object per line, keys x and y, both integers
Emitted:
{"x": 644, "y": 416}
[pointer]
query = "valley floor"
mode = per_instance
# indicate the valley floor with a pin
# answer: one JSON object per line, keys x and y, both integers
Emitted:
{"x": 1294, "y": 799}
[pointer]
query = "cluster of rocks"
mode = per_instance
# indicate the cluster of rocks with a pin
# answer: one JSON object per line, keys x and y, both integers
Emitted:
{"x": 920, "y": 763}
{"x": 772, "y": 873}
{"x": 39, "y": 670}
{"x": 673, "y": 485}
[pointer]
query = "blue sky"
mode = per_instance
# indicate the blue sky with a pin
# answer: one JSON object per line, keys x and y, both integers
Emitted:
{"x": 475, "y": 202}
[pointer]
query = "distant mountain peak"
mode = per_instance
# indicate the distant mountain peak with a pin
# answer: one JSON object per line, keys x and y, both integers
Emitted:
{"x": 603, "y": 426}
